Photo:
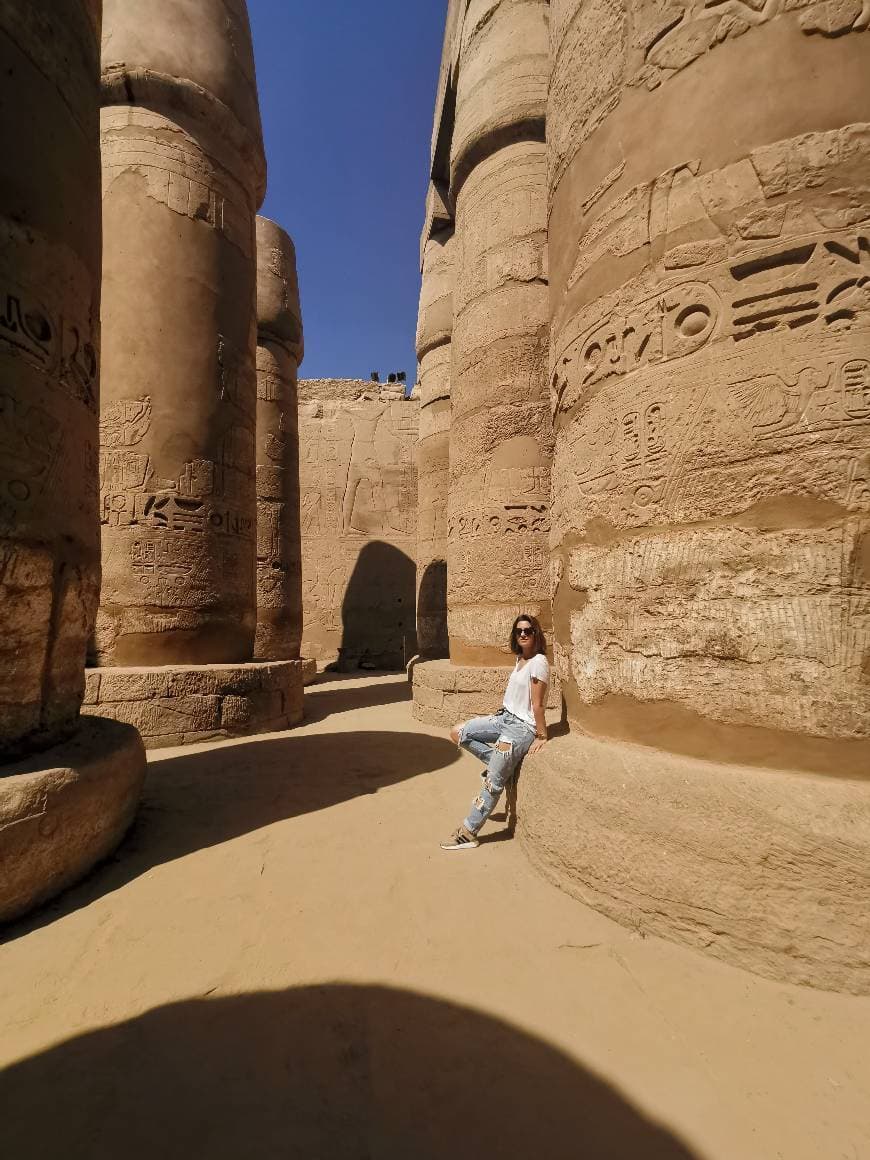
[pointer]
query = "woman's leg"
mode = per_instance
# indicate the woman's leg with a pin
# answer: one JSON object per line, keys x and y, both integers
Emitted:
{"x": 478, "y": 735}
{"x": 511, "y": 746}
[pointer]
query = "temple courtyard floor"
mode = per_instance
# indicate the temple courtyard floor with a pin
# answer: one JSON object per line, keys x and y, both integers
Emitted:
{"x": 281, "y": 962}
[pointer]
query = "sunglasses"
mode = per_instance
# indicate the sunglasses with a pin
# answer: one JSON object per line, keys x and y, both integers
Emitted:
{"x": 525, "y": 632}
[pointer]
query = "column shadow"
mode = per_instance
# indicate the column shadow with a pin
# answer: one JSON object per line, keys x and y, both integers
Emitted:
{"x": 318, "y": 1073}
{"x": 377, "y": 611}
{"x": 194, "y": 800}
{"x": 345, "y": 692}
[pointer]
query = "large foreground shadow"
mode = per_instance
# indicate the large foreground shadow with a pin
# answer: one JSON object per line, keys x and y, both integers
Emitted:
{"x": 317, "y": 1073}
{"x": 195, "y": 800}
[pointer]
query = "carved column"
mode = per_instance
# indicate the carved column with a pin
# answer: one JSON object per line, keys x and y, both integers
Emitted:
{"x": 183, "y": 176}
{"x": 434, "y": 331}
{"x": 279, "y": 353}
{"x": 500, "y": 430}
{"x": 61, "y": 808}
{"x": 710, "y": 288}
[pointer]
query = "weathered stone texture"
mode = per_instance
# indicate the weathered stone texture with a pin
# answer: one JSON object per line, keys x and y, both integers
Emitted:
{"x": 762, "y": 868}
{"x": 65, "y": 810}
{"x": 349, "y": 391}
{"x": 49, "y": 328}
{"x": 183, "y": 174}
{"x": 180, "y": 705}
{"x": 500, "y": 438}
{"x": 710, "y": 386}
{"x": 503, "y": 73}
{"x": 711, "y": 336}
{"x": 279, "y": 352}
{"x": 358, "y": 484}
{"x": 434, "y": 331}
{"x": 445, "y": 693}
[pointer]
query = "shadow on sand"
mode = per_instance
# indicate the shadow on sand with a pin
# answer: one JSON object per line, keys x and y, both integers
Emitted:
{"x": 199, "y": 799}
{"x": 318, "y": 1073}
{"x": 343, "y": 692}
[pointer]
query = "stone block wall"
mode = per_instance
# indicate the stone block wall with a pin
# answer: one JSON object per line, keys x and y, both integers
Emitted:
{"x": 358, "y": 486}
{"x": 182, "y": 704}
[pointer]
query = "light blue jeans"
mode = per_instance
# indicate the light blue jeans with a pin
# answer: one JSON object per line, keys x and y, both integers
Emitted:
{"x": 501, "y": 742}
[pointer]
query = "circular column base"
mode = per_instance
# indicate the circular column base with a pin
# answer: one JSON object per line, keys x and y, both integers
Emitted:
{"x": 445, "y": 693}
{"x": 64, "y": 810}
{"x": 768, "y": 869}
{"x": 179, "y": 705}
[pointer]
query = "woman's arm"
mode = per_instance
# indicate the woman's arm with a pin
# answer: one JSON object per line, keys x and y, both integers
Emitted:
{"x": 539, "y": 700}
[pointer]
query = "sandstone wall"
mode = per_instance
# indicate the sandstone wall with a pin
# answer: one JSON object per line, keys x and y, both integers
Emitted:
{"x": 358, "y": 486}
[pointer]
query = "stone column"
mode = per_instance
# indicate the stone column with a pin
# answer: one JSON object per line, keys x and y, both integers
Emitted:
{"x": 279, "y": 353}
{"x": 434, "y": 331}
{"x": 710, "y": 289}
{"x": 183, "y": 176}
{"x": 500, "y": 431}
{"x": 67, "y": 792}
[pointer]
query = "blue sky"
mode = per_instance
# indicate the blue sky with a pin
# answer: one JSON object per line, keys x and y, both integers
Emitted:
{"x": 347, "y": 92}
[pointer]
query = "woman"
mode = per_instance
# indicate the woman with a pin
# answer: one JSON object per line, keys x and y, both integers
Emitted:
{"x": 503, "y": 740}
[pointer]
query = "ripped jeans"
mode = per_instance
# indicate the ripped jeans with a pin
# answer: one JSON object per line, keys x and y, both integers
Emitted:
{"x": 501, "y": 742}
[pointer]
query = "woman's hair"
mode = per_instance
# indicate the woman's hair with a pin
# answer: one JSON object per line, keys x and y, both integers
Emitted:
{"x": 540, "y": 641}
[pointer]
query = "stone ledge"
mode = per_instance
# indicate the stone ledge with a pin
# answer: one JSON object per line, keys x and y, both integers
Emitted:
{"x": 445, "y": 693}
{"x": 64, "y": 810}
{"x": 309, "y": 671}
{"x": 767, "y": 869}
{"x": 176, "y": 705}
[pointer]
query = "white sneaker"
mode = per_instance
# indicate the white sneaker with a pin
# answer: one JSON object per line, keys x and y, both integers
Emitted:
{"x": 461, "y": 840}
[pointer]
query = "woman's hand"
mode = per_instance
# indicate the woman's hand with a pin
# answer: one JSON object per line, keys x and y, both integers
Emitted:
{"x": 537, "y": 745}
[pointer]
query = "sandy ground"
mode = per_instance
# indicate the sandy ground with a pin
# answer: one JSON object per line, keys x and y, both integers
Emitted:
{"x": 281, "y": 962}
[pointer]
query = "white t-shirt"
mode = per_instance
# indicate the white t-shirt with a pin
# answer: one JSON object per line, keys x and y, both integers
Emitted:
{"x": 518, "y": 696}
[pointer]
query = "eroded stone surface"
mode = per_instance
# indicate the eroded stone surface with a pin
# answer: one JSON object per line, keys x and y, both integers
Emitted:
{"x": 445, "y": 693}
{"x": 500, "y": 436}
{"x": 279, "y": 352}
{"x": 763, "y": 867}
{"x": 708, "y": 515}
{"x": 504, "y": 68}
{"x": 49, "y": 341}
{"x": 710, "y": 387}
{"x": 434, "y": 332}
{"x": 64, "y": 810}
{"x": 358, "y": 483}
{"x": 179, "y": 705}
{"x": 183, "y": 175}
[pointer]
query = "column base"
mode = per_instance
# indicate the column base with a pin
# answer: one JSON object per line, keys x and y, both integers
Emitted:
{"x": 445, "y": 693}
{"x": 768, "y": 869}
{"x": 64, "y": 810}
{"x": 180, "y": 705}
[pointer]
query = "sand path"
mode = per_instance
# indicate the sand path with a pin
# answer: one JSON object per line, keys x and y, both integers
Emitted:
{"x": 281, "y": 963}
